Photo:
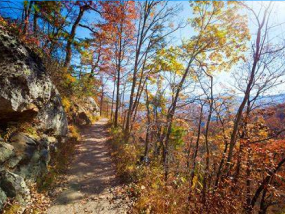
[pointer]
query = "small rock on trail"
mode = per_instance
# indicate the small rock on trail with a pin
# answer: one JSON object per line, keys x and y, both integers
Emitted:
{"x": 91, "y": 185}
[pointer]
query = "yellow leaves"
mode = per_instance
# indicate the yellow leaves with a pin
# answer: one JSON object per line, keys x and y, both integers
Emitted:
{"x": 3, "y": 22}
{"x": 194, "y": 182}
{"x": 86, "y": 57}
{"x": 69, "y": 78}
{"x": 155, "y": 185}
{"x": 152, "y": 80}
{"x": 218, "y": 4}
{"x": 168, "y": 60}
{"x": 66, "y": 103}
{"x": 74, "y": 132}
{"x": 222, "y": 35}
{"x": 182, "y": 123}
{"x": 215, "y": 56}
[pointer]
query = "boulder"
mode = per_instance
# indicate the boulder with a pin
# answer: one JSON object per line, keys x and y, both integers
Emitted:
{"x": 13, "y": 162}
{"x": 14, "y": 186}
{"x": 36, "y": 168}
{"x": 24, "y": 146}
{"x": 27, "y": 91}
{"x": 38, "y": 164}
{"x": 53, "y": 118}
{"x": 91, "y": 105}
{"x": 3, "y": 198}
{"x": 85, "y": 111}
{"x": 6, "y": 152}
{"x": 51, "y": 140}
{"x": 82, "y": 118}
{"x": 32, "y": 157}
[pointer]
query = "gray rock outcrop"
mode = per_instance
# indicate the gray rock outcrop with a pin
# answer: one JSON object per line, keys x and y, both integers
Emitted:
{"x": 26, "y": 90}
{"x": 91, "y": 105}
{"x": 26, "y": 94}
{"x": 6, "y": 152}
{"x": 14, "y": 186}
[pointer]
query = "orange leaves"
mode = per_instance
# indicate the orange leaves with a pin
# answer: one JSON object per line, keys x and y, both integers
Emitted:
{"x": 28, "y": 39}
{"x": 115, "y": 34}
{"x": 31, "y": 40}
{"x": 272, "y": 146}
{"x": 118, "y": 17}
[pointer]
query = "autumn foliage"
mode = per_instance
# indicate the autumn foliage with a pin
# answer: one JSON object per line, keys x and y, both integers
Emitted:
{"x": 185, "y": 138}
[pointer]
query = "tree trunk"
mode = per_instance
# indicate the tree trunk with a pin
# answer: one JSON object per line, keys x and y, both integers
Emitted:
{"x": 264, "y": 184}
{"x": 102, "y": 100}
{"x": 70, "y": 40}
{"x": 35, "y": 25}
{"x": 207, "y": 168}
{"x": 140, "y": 38}
{"x": 27, "y": 17}
{"x": 247, "y": 92}
{"x": 113, "y": 96}
{"x": 148, "y": 125}
{"x": 170, "y": 116}
{"x": 196, "y": 147}
{"x": 118, "y": 77}
{"x": 117, "y": 100}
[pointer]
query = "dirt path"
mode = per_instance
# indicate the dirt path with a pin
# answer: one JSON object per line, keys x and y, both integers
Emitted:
{"x": 91, "y": 185}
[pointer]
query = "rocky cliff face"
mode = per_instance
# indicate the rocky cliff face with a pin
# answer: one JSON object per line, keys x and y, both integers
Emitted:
{"x": 26, "y": 89}
{"x": 26, "y": 95}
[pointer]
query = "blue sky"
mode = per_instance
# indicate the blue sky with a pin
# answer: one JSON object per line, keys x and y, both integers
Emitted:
{"x": 278, "y": 33}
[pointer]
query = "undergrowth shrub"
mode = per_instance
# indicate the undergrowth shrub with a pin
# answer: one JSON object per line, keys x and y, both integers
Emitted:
{"x": 146, "y": 180}
{"x": 156, "y": 196}
{"x": 66, "y": 104}
{"x": 74, "y": 132}
{"x": 125, "y": 154}
{"x": 58, "y": 165}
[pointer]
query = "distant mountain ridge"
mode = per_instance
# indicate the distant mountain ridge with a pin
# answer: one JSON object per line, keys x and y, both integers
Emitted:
{"x": 268, "y": 100}
{"x": 278, "y": 98}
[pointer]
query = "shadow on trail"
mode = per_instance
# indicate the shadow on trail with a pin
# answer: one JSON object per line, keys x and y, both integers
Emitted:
{"x": 91, "y": 171}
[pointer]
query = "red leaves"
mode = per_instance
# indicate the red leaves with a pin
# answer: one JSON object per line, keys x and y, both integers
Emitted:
{"x": 113, "y": 35}
{"x": 31, "y": 40}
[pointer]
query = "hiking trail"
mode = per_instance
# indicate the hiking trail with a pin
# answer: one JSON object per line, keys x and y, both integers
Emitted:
{"x": 91, "y": 185}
